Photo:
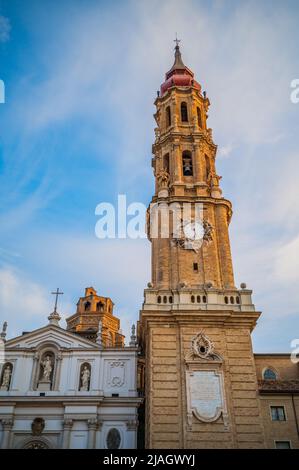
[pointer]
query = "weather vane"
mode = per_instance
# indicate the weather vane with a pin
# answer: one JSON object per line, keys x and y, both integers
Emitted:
{"x": 57, "y": 293}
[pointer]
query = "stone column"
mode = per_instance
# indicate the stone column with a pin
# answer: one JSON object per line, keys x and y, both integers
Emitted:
{"x": 7, "y": 426}
{"x": 57, "y": 371}
{"x": 132, "y": 426}
{"x": 67, "y": 427}
{"x": 199, "y": 176}
{"x": 177, "y": 162}
{"x": 92, "y": 427}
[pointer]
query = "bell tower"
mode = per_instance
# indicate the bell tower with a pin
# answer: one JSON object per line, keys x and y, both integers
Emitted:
{"x": 195, "y": 325}
{"x": 185, "y": 176}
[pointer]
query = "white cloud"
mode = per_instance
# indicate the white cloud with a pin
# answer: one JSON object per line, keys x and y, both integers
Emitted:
{"x": 224, "y": 152}
{"x": 287, "y": 262}
{"x": 4, "y": 29}
{"x": 21, "y": 301}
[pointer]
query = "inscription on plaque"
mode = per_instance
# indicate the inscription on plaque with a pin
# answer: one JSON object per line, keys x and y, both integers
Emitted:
{"x": 205, "y": 394}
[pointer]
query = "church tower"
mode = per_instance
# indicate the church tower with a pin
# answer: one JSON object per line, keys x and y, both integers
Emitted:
{"x": 195, "y": 324}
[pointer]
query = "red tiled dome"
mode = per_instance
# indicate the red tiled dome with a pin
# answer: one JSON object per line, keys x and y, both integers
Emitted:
{"x": 179, "y": 75}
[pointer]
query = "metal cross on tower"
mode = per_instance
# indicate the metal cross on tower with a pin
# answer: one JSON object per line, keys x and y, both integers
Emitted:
{"x": 56, "y": 293}
{"x": 176, "y": 40}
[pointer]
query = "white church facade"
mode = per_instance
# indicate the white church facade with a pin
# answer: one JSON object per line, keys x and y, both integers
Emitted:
{"x": 59, "y": 389}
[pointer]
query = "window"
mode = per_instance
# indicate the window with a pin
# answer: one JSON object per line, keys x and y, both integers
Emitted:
{"x": 226, "y": 299}
{"x": 269, "y": 374}
{"x": 278, "y": 413}
{"x": 282, "y": 444}
{"x": 159, "y": 299}
{"x": 199, "y": 120}
{"x": 113, "y": 439}
{"x": 195, "y": 266}
{"x": 100, "y": 306}
{"x": 204, "y": 299}
{"x": 165, "y": 299}
{"x": 187, "y": 163}
{"x": 87, "y": 306}
{"x": 192, "y": 299}
{"x": 237, "y": 300}
{"x": 184, "y": 112}
{"x": 168, "y": 116}
{"x": 170, "y": 299}
{"x": 198, "y": 299}
{"x": 232, "y": 300}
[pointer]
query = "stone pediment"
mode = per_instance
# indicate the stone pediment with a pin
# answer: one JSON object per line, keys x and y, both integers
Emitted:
{"x": 49, "y": 334}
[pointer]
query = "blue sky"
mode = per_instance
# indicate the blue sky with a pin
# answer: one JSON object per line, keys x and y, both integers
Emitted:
{"x": 77, "y": 128}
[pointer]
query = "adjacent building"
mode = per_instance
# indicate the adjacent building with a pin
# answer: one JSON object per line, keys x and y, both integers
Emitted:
{"x": 61, "y": 389}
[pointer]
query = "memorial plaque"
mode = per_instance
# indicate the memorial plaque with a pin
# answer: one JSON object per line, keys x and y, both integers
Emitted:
{"x": 205, "y": 394}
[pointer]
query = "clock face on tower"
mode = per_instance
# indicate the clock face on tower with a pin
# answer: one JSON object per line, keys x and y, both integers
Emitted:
{"x": 194, "y": 234}
{"x": 194, "y": 231}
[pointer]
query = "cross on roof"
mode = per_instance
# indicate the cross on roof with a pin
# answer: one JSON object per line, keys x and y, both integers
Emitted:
{"x": 176, "y": 40}
{"x": 56, "y": 293}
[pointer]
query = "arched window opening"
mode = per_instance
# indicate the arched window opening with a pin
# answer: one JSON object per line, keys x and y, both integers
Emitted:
{"x": 166, "y": 162}
{"x": 208, "y": 166}
{"x": 192, "y": 299}
{"x": 168, "y": 116}
{"x": 198, "y": 299}
{"x": 199, "y": 119}
{"x": 184, "y": 112}
{"x": 6, "y": 376}
{"x": 187, "y": 163}
{"x": 87, "y": 306}
{"x": 84, "y": 379}
{"x": 170, "y": 300}
{"x": 100, "y": 307}
{"x": 226, "y": 299}
{"x": 204, "y": 299}
{"x": 165, "y": 299}
{"x": 113, "y": 439}
{"x": 159, "y": 299}
{"x": 232, "y": 300}
{"x": 269, "y": 374}
{"x": 237, "y": 299}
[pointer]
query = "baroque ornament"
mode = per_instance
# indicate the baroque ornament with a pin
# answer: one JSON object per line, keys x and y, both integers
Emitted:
{"x": 163, "y": 178}
{"x": 194, "y": 234}
{"x": 202, "y": 346}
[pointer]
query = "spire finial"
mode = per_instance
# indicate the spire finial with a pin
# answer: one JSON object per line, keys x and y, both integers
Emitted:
{"x": 3, "y": 332}
{"x": 133, "y": 338}
{"x": 54, "y": 317}
{"x": 177, "y": 41}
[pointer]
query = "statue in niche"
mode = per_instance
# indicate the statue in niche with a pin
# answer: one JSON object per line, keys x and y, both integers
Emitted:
{"x": 85, "y": 378}
{"x": 6, "y": 378}
{"x": 47, "y": 368}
